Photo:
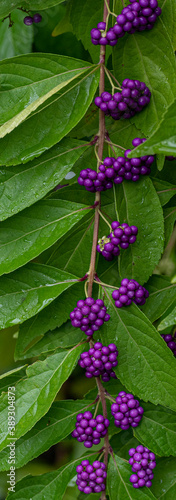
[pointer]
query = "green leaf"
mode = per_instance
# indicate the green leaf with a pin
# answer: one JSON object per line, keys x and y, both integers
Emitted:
{"x": 168, "y": 18}
{"x": 10, "y": 378}
{"x": 164, "y": 481}
{"x": 28, "y": 290}
{"x": 36, "y": 228}
{"x": 148, "y": 57}
{"x": 163, "y": 140}
{"x": 119, "y": 486}
{"x": 65, "y": 336}
{"x": 47, "y": 485}
{"x": 35, "y": 394}
{"x": 52, "y": 316}
{"x": 83, "y": 18}
{"x": 58, "y": 422}
{"x": 157, "y": 430}
{"x": 160, "y": 159}
{"x": 40, "y": 175}
{"x": 161, "y": 296}
{"x": 17, "y": 39}
{"x": 27, "y": 97}
{"x": 61, "y": 113}
{"x": 72, "y": 253}
{"x": 145, "y": 365}
{"x": 134, "y": 206}
{"x": 8, "y": 6}
{"x": 164, "y": 190}
{"x": 169, "y": 320}
{"x": 169, "y": 220}
{"x": 122, "y": 442}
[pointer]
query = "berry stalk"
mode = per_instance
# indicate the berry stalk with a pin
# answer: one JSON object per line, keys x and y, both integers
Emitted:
{"x": 101, "y": 141}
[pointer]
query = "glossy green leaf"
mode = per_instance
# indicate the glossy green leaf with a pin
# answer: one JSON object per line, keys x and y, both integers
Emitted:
{"x": 72, "y": 253}
{"x": 51, "y": 317}
{"x": 163, "y": 140}
{"x": 164, "y": 190}
{"x": 36, "y": 228}
{"x": 60, "y": 113}
{"x": 8, "y": 6}
{"x": 161, "y": 295}
{"x": 10, "y": 378}
{"x": 164, "y": 481}
{"x": 83, "y": 18}
{"x": 160, "y": 159}
{"x": 65, "y": 336}
{"x": 168, "y": 18}
{"x": 145, "y": 365}
{"x": 169, "y": 320}
{"x": 17, "y": 39}
{"x": 134, "y": 206}
{"x": 148, "y": 57}
{"x": 47, "y": 485}
{"x": 122, "y": 442}
{"x": 40, "y": 175}
{"x": 58, "y": 423}
{"x": 27, "y": 97}
{"x": 169, "y": 220}
{"x": 119, "y": 486}
{"x": 28, "y": 290}
{"x": 157, "y": 430}
{"x": 35, "y": 394}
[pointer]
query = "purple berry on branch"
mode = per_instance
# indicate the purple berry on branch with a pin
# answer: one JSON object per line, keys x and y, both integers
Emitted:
{"x": 143, "y": 462}
{"x": 91, "y": 478}
{"x": 130, "y": 291}
{"x": 126, "y": 411}
{"x": 171, "y": 342}
{"x": 28, "y": 20}
{"x": 89, "y": 315}
{"x": 90, "y": 430}
{"x": 121, "y": 236}
{"x": 134, "y": 96}
{"x": 100, "y": 361}
{"x": 37, "y": 18}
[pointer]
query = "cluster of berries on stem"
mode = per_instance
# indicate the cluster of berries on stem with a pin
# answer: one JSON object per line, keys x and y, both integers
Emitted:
{"x": 143, "y": 463}
{"x": 130, "y": 291}
{"x": 116, "y": 170}
{"x": 126, "y": 411}
{"x": 36, "y": 18}
{"x": 91, "y": 478}
{"x": 170, "y": 341}
{"x": 89, "y": 315}
{"x": 137, "y": 16}
{"x": 90, "y": 430}
{"x": 132, "y": 98}
{"x": 122, "y": 235}
{"x": 100, "y": 360}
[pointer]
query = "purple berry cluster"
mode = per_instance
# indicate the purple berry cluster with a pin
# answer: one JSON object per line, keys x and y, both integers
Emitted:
{"x": 139, "y": 16}
{"x": 170, "y": 158}
{"x": 90, "y": 430}
{"x": 126, "y": 411}
{"x": 89, "y": 315}
{"x": 170, "y": 341}
{"x": 121, "y": 235}
{"x": 115, "y": 170}
{"x": 135, "y": 95}
{"x": 94, "y": 181}
{"x": 28, "y": 20}
{"x": 100, "y": 360}
{"x": 130, "y": 291}
{"x": 143, "y": 463}
{"x": 91, "y": 478}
